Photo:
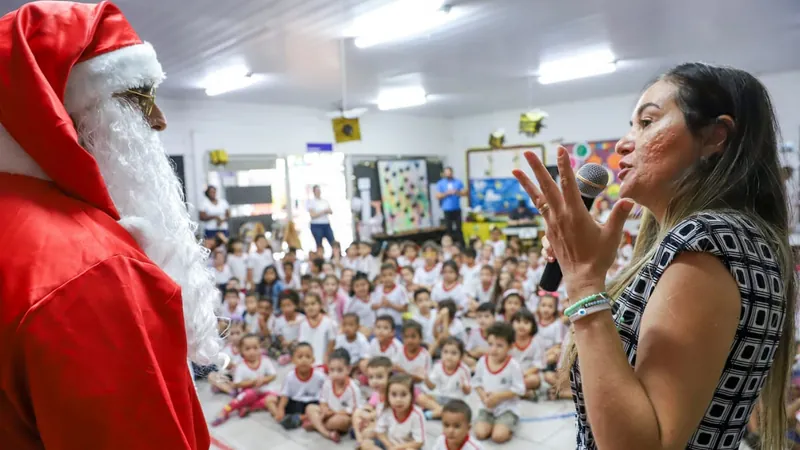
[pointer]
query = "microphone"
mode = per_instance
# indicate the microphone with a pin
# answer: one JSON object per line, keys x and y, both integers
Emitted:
{"x": 592, "y": 180}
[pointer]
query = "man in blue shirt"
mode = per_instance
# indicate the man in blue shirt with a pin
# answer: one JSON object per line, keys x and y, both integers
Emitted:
{"x": 449, "y": 191}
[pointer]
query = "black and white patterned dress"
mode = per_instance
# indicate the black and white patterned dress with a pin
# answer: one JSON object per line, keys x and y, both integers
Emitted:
{"x": 745, "y": 251}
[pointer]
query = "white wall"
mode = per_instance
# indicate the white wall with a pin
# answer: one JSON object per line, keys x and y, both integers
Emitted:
{"x": 597, "y": 119}
{"x": 194, "y": 127}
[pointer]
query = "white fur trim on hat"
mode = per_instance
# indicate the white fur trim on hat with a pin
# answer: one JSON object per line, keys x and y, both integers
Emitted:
{"x": 97, "y": 79}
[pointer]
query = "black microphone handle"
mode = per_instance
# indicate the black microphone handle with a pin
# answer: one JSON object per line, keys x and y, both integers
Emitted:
{"x": 551, "y": 276}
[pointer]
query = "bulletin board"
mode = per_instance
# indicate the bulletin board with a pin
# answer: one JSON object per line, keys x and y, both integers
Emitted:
{"x": 404, "y": 194}
{"x": 598, "y": 152}
{"x": 492, "y": 187}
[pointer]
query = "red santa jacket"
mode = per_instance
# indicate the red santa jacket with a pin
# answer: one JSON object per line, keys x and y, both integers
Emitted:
{"x": 92, "y": 339}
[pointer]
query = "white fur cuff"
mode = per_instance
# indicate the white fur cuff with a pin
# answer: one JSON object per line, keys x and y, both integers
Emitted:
{"x": 97, "y": 79}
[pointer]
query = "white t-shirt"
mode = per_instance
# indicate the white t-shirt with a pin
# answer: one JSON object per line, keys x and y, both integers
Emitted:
{"x": 222, "y": 276}
{"x": 303, "y": 389}
{"x": 531, "y": 355}
{"x": 456, "y": 293}
{"x": 483, "y": 296}
{"x": 235, "y": 314}
{"x": 317, "y": 205}
{"x": 457, "y": 330}
{"x": 358, "y": 349}
{"x": 551, "y": 334}
{"x": 509, "y": 377}
{"x": 233, "y": 352}
{"x": 469, "y": 444}
{"x": 238, "y": 265}
{"x": 470, "y": 276}
{"x": 402, "y": 430}
{"x": 397, "y": 296}
{"x": 425, "y": 277}
{"x": 212, "y": 209}
{"x": 368, "y": 265}
{"x": 257, "y": 262}
{"x": 498, "y": 247}
{"x": 427, "y": 325}
{"x": 290, "y": 331}
{"x": 251, "y": 323}
{"x": 264, "y": 368}
{"x": 417, "y": 263}
{"x": 476, "y": 339}
{"x": 419, "y": 365}
{"x": 361, "y": 308}
{"x": 319, "y": 336}
{"x": 450, "y": 384}
{"x": 391, "y": 351}
{"x": 348, "y": 400}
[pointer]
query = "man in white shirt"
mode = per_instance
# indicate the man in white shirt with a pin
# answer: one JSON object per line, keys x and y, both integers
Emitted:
{"x": 320, "y": 211}
{"x": 214, "y": 213}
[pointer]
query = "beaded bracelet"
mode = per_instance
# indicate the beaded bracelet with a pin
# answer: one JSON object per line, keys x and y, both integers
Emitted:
{"x": 583, "y": 312}
{"x": 582, "y": 302}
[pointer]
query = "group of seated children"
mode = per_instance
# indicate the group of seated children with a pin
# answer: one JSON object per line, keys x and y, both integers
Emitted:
{"x": 378, "y": 360}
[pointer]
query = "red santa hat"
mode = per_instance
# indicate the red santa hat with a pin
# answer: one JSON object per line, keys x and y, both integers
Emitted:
{"x": 60, "y": 58}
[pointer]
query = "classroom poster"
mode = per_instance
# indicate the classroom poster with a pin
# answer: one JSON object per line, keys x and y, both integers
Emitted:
{"x": 404, "y": 195}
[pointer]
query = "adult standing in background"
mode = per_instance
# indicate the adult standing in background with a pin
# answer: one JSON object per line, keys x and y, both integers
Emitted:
{"x": 449, "y": 191}
{"x": 320, "y": 211}
{"x": 214, "y": 213}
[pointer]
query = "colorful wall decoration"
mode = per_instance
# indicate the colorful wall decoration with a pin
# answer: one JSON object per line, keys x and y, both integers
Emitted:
{"x": 404, "y": 195}
{"x": 492, "y": 187}
{"x": 598, "y": 152}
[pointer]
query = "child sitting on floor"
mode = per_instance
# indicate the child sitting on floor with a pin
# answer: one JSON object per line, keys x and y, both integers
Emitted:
{"x": 339, "y": 399}
{"x": 301, "y": 388}
{"x": 450, "y": 378}
{"x": 352, "y": 340}
{"x": 499, "y": 383}
{"x": 447, "y": 325}
{"x": 527, "y": 349}
{"x": 400, "y": 425}
{"x": 378, "y": 370}
{"x": 250, "y": 315}
{"x": 425, "y": 315}
{"x": 456, "y": 420}
{"x": 287, "y": 326}
{"x": 251, "y": 378}
{"x": 222, "y": 380}
{"x": 384, "y": 343}
{"x": 318, "y": 330}
{"x": 477, "y": 345}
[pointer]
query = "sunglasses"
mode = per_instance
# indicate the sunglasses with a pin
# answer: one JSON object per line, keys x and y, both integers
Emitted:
{"x": 144, "y": 97}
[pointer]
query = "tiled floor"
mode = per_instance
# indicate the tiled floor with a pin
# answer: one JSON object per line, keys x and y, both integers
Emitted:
{"x": 545, "y": 426}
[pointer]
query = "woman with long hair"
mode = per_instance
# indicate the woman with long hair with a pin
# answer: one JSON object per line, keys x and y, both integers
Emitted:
{"x": 678, "y": 349}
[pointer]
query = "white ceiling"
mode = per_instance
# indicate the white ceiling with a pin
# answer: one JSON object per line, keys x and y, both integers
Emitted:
{"x": 478, "y": 63}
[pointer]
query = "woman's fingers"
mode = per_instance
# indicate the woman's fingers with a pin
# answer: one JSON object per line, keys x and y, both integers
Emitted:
{"x": 569, "y": 186}
{"x": 548, "y": 186}
{"x": 529, "y": 186}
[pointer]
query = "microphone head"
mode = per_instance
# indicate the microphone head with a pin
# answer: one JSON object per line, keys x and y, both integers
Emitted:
{"x": 592, "y": 179}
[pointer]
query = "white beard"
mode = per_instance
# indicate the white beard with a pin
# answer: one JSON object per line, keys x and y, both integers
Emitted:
{"x": 149, "y": 198}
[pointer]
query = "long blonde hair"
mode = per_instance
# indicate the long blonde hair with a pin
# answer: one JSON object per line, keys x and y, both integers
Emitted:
{"x": 744, "y": 178}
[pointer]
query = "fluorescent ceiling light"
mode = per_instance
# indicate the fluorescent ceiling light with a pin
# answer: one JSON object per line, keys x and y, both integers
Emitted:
{"x": 579, "y": 66}
{"x": 401, "y": 98}
{"x": 399, "y": 20}
{"x": 230, "y": 79}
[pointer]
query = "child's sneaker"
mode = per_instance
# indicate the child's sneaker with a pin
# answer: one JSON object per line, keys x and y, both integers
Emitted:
{"x": 291, "y": 422}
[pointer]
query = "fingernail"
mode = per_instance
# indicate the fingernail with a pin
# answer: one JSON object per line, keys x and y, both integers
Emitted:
{"x": 562, "y": 151}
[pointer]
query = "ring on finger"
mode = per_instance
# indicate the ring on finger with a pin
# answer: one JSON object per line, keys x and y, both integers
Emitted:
{"x": 543, "y": 209}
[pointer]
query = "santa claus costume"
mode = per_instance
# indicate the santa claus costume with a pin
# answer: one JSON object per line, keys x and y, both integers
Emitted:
{"x": 104, "y": 291}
